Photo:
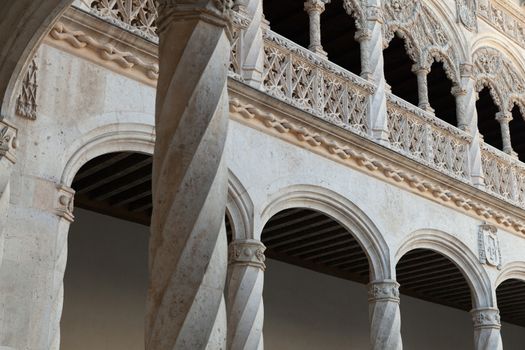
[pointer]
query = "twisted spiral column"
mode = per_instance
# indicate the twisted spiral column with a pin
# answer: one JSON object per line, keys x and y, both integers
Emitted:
{"x": 315, "y": 8}
{"x": 252, "y": 51}
{"x": 487, "y": 326}
{"x": 466, "y": 98}
{"x": 422, "y": 87}
{"x": 188, "y": 248}
{"x": 384, "y": 315}
{"x": 372, "y": 68}
{"x": 245, "y": 301}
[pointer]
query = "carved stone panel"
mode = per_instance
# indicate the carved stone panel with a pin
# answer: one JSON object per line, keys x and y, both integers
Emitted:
{"x": 489, "y": 250}
{"x": 467, "y": 12}
{"x": 26, "y": 102}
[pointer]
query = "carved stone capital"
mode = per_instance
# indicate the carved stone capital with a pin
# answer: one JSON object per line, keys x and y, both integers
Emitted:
{"x": 383, "y": 291}
{"x": 317, "y": 6}
{"x": 65, "y": 202}
{"x": 374, "y": 14}
{"x": 247, "y": 252}
{"x": 8, "y": 141}
{"x": 486, "y": 318}
{"x": 504, "y": 117}
{"x": 458, "y": 91}
{"x": 216, "y": 12}
{"x": 420, "y": 69}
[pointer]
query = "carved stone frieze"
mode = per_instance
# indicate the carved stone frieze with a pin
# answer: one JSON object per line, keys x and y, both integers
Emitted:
{"x": 105, "y": 51}
{"x": 502, "y": 16}
{"x": 489, "y": 249}
{"x": 26, "y": 102}
{"x": 328, "y": 145}
{"x": 65, "y": 202}
{"x": 383, "y": 291}
{"x": 425, "y": 37}
{"x": 467, "y": 12}
{"x": 247, "y": 252}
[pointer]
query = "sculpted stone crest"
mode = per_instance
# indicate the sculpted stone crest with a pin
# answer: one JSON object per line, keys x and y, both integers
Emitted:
{"x": 467, "y": 11}
{"x": 489, "y": 250}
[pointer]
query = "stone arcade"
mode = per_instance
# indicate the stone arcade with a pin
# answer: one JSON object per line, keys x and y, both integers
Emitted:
{"x": 375, "y": 143}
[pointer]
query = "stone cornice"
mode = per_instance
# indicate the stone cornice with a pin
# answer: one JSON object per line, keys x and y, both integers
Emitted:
{"x": 100, "y": 42}
{"x": 274, "y": 117}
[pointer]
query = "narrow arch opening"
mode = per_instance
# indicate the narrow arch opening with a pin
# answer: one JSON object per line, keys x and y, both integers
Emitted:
{"x": 305, "y": 306}
{"x": 488, "y": 126}
{"x": 429, "y": 276}
{"x": 511, "y": 301}
{"x": 398, "y": 71}
{"x": 517, "y": 133}
{"x": 289, "y": 19}
{"x": 338, "y": 32}
{"x": 440, "y": 95}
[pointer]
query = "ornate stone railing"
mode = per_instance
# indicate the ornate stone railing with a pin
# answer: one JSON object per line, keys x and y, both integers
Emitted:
{"x": 309, "y": 82}
{"x": 427, "y": 139}
{"x": 504, "y": 175}
{"x": 136, "y": 16}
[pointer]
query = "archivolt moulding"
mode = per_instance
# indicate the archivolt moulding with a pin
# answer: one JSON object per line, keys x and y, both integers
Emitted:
{"x": 341, "y": 210}
{"x": 494, "y": 70}
{"x": 461, "y": 255}
{"x": 239, "y": 209}
{"x": 426, "y": 39}
{"x": 132, "y": 137}
{"x": 512, "y": 270}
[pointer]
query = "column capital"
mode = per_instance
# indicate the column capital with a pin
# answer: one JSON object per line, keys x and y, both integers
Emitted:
{"x": 374, "y": 13}
{"x": 504, "y": 117}
{"x": 420, "y": 69}
{"x": 65, "y": 202}
{"x": 247, "y": 252}
{"x": 315, "y": 5}
{"x": 211, "y": 11}
{"x": 387, "y": 290}
{"x": 8, "y": 140}
{"x": 458, "y": 91}
{"x": 486, "y": 318}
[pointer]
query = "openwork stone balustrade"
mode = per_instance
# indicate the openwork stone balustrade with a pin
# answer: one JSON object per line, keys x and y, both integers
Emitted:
{"x": 310, "y": 82}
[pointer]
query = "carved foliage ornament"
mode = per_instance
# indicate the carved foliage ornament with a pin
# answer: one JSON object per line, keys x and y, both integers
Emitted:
{"x": 247, "y": 252}
{"x": 26, "y": 102}
{"x": 65, "y": 202}
{"x": 467, "y": 12}
{"x": 504, "y": 18}
{"x": 383, "y": 291}
{"x": 425, "y": 37}
{"x": 486, "y": 318}
{"x": 489, "y": 250}
{"x": 493, "y": 70}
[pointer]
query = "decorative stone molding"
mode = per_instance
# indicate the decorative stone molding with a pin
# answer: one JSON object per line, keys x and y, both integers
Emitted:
{"x": 247, "y": 252}
{"x": 26, "y": 102}
{"x": 8, "y": 141}
{"x": 325, "y": 143}
{"x": 467, "y": 13}
{"x": 488, "y": 245}
{"x": 105, "y": 51}
{"x": 425, "y": 37}
{"x": 507, "y": 18}
{"x": 65, "y": 202}
{"x": 383, "y": 291}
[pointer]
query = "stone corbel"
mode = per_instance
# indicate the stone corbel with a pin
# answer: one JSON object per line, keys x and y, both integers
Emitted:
{"x": 65, "y": 202}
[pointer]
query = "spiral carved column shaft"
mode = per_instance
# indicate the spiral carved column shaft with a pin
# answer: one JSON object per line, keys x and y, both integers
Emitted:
{"x": 188, "y": 248}
{"x": 487, "y": 326}
{"x": 422, "y": 88}
{"x": 384, "y": 315}
{"x": 504, "y": 118}
{"x": 315, "y": 8}
{"x": 245, "y": 295}
{"x": 252, "y": 51}
{"x": 372, "y": 67}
